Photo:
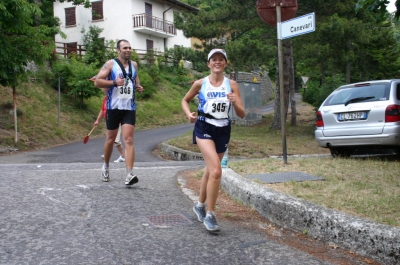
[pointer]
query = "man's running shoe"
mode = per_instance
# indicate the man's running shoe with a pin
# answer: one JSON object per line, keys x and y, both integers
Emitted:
{"x": 105, "y": 175}
{"x": 210, "y": 222}
{"x": 200, "y": 212}
{"x": 131, "y": 179}
{"x": 120, "y": 159}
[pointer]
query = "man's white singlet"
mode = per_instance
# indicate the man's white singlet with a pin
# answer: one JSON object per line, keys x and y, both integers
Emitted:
{"x": 122, "y": 97}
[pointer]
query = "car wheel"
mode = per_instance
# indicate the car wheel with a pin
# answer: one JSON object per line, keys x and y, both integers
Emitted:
{"x": 340, "y": 152}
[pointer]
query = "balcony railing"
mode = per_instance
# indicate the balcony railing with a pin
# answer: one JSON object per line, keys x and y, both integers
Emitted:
{"x": 153, "y": 23}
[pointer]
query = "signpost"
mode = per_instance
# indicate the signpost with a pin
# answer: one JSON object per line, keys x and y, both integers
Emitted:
{"x": 274, "y": 12}
{"x": 296, "y": 26}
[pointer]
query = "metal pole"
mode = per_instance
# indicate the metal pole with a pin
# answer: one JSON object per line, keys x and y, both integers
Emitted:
{"x": 59, "y": 95}
{"x": 281, "y": 93}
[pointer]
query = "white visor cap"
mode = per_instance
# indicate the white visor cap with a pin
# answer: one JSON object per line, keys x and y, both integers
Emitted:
{"x": 214, "y": 51}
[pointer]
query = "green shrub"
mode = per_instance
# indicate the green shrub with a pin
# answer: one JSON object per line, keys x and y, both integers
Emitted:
{"x": 78, "y": 81}
{"x": 135, "y": 58}
{"x": 147, "y": 82}
{"x": 315, "y": 93}
{"x": 198, "y": 58}
{"x": 154, "y": 72}
{"x": 61, "y": 69}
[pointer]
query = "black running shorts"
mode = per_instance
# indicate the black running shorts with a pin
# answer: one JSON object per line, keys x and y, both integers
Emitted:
{"x": 115, "y": 116}
{"x": 220, "y": 135}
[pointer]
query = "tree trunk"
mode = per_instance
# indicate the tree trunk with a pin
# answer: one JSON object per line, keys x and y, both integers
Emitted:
{"x": 348, "y": 64}
{"x": 15, "y": 113}
{"x": 276, "y": 123}
{"x": 292, "y": 87}
{"x": 323, "y": 74}
{"x": 287, "y": 75}
{"x": 348, "y": 72}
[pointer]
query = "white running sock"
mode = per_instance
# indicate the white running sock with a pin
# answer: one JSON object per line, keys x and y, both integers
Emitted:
{"x": 209, "y": 213}
{"x": 200, "y": 204}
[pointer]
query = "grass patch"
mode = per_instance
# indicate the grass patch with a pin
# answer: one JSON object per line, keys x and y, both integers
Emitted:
{"x": 364, "y": 187}
{"x": 41, "y": 124}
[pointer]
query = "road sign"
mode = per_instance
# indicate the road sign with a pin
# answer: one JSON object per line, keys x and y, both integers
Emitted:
{"x": 266, "y": 9}
{"x": 296, "y": 26}
{"x": 305, "y": 79}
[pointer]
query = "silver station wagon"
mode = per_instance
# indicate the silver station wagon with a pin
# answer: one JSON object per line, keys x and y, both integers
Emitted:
{"x": 361, "y": 118}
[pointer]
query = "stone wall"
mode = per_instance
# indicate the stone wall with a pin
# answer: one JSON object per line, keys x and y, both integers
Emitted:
{"x": 267, "y": 88}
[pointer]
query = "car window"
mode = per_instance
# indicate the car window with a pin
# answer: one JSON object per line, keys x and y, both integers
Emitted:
{"x": 374, "y": 92}
{"x": 398, "y": 92}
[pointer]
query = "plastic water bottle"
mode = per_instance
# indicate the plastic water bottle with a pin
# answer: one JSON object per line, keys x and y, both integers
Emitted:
{"x": 224, "y": 161}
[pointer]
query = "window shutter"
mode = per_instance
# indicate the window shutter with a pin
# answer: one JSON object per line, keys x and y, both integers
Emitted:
{"x": 97, "y": 10}
{"x": 70, "y": 19}
{"x": 149, "y": 44}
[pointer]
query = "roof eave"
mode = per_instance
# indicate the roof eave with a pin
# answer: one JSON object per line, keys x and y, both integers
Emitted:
{"x": 182, "y": 5}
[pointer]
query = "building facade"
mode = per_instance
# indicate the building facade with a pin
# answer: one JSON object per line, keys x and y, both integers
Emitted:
{"x": 147, "y": 25}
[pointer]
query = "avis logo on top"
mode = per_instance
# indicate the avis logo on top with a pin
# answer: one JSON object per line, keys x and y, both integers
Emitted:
{"x": 216, "y": 94}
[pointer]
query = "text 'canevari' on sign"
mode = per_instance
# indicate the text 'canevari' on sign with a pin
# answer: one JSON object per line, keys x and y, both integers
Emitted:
{"x": 296, "y": 26}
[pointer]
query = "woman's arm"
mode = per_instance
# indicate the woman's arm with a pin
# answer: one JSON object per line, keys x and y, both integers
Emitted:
{"x": 193, "y": 91}
{"x": 236, "y": 100}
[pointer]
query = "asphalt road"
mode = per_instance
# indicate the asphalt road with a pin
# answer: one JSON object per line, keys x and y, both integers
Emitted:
{"x": 145, "y": 142}
{"x": 55, "y": 210}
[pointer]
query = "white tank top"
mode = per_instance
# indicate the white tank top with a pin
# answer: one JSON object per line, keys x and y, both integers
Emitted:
{"x": 213, "y": 101}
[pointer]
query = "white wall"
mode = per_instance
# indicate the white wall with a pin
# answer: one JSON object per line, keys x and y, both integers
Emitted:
{"x": 118, "y": 24}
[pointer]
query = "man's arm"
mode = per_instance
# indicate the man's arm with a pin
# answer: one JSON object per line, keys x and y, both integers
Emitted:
{"x": 101, "y": 79}
{"x": 137, "y": 80}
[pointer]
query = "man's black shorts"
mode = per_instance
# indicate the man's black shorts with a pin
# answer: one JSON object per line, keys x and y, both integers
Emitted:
{"x": 220, "y": 135}
{"x": 115, "y": 117}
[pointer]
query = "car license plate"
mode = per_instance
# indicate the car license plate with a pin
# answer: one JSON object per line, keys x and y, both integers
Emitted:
{"x": 352, "y": 116}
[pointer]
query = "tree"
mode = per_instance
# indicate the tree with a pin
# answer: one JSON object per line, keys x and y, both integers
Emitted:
{"x": 21, "y": 42}
{"x": 233, "y": 25}
{"x": 358, "y": 45}
{"x": 79, "y": 82}
{"x": 97, "y": 49}
{"x": 25, "y": 36}
{"x": 379, "y": 7}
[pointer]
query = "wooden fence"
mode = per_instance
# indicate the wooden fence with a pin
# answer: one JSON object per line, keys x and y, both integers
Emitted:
{"x": 66, "y": 49}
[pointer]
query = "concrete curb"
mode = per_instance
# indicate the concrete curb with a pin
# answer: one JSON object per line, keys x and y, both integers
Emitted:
{"x": 7, "y": 150}
{"x": 180, "y": 154}
{"x": 376, "y": 241}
